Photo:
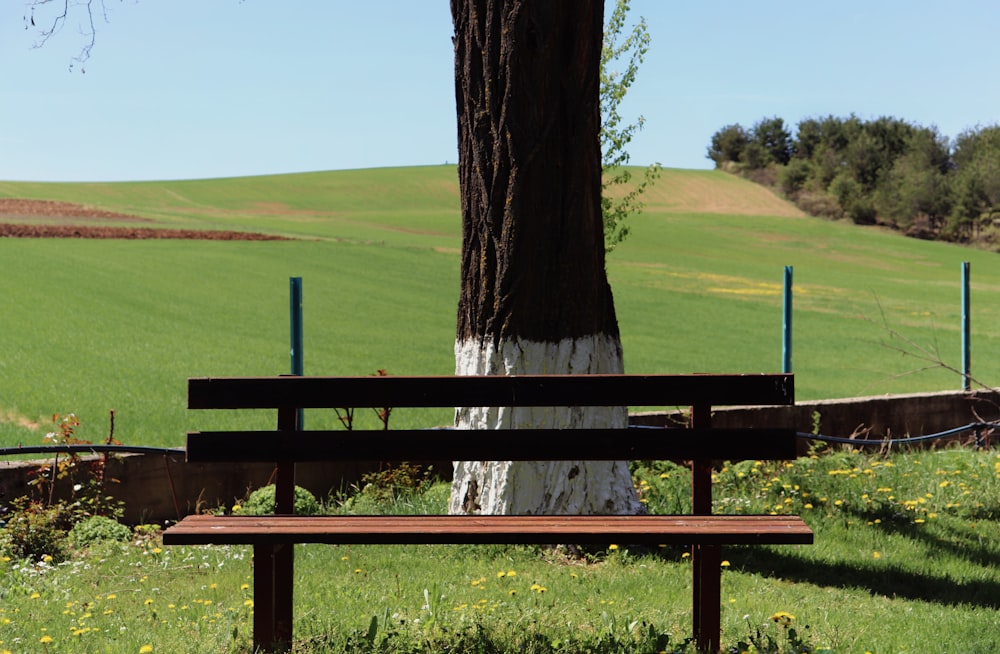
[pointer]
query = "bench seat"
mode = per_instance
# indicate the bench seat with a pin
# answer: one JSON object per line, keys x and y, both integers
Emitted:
{"x": 443, "y": 529}
{"x": 698, "y": 446}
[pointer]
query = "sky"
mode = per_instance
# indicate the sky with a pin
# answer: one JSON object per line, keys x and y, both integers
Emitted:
{"x": 186, "y": 89}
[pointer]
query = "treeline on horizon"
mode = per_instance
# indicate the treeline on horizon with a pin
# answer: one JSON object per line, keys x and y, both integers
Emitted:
{"x": 884, "y": 171}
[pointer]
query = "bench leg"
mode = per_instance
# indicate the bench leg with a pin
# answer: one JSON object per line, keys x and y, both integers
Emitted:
{"x": 273, "y": 570}
{"x": 707, "y": 591}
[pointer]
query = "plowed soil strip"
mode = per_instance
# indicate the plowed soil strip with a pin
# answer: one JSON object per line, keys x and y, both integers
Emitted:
{"x": 102, "y": 231}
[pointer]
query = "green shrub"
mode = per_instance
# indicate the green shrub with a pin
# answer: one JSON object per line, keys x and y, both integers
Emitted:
{"x": 35, "y": 532}
{"x": 261, "y": 502}
{"x": 793, "y": 177}
{"x": 98, "y": 528}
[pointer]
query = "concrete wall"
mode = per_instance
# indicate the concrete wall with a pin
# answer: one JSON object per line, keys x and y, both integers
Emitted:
{"x": 159, "y": 488}
{"x": 872, "y": 418}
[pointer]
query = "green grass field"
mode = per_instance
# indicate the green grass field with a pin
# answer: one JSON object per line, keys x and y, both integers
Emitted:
{"x": 91, "y": 326}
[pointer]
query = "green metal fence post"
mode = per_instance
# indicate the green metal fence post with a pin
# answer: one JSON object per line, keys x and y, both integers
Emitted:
{"x": 295, "y": 312}
{"x": 786, "y": 326}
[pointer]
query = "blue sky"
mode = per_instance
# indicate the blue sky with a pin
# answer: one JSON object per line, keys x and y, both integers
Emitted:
{"x": 179, "y": 89}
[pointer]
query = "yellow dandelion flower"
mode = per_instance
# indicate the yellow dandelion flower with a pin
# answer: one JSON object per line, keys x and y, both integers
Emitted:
{"x": 35, "y": 595}
{"x": 244, "y": 586}
{"x": 783, "y": 618}
{"x": 45, "y": 640}
{"x": 876, "y": 554}
{"x": 725, "y": 564}
{"x": 612, "y": 547}
{"x": 145, "y": 649}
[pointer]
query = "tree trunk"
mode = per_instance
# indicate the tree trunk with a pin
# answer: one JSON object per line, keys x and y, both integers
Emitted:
{"x": 534, "y": 292}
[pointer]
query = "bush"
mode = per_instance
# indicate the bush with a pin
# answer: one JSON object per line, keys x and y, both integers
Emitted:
{"x": 98, "y": 528}
{"x": 793, "y": 177}
{"x": 261, "y": 502}
{"x": 819, "y": 204}
{"x": 34, "y": 532}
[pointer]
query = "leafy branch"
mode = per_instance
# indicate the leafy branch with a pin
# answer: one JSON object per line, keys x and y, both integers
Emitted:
{"x": 615, "y": 134}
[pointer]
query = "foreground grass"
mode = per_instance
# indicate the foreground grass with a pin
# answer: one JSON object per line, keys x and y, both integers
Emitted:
{"x": 904, "y": 561}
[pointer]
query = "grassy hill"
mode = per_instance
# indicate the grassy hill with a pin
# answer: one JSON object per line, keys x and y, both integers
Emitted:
{"x": 94, "y": 325}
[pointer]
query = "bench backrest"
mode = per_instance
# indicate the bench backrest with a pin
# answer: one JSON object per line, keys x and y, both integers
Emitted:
{"x": 288, "y": 394}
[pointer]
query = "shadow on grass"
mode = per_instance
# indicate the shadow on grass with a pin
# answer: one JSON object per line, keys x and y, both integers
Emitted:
{"x": 876, "y": 579}
{"x": 950, "y": 539}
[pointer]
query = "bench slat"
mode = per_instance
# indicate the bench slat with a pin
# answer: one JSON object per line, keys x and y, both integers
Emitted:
{"x": 518, "y": 390}
{"x": 515, "y": 445}
{"x": 437, "y": 529}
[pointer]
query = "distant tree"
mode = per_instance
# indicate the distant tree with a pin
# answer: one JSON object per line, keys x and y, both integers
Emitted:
{"x": 854, "y": 202}
{"x": 794, "y": 177}
{"x": 865, "y": 160}
{"x": 976, "y": 181}
{"x": 728, "y": 145}
{"x": 915, "y": 192}
{"x": 766, "y": 143}
{"x": 809, "y": 136}
{"x": 885, "y": 171}
{"x": 615, "y": 134}
{"x": 755, "y": 156}
{"x": 774, "y": 140}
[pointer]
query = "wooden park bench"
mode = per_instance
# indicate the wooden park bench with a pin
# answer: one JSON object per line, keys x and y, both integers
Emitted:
{"x": 273, "y": 536}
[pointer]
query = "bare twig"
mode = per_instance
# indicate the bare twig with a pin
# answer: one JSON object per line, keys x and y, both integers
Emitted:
{"x": 910, "y": 348}
{"x": 48, "y": 17}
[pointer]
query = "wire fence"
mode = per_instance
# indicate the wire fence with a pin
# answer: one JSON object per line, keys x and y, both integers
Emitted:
{"x": 978, "y": 427}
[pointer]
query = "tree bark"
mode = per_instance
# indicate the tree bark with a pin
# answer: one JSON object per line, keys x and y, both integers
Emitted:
{"x": 534, "y": 293}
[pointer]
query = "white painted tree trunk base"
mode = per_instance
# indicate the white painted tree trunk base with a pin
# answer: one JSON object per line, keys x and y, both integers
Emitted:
{"x": 542, "y": 487}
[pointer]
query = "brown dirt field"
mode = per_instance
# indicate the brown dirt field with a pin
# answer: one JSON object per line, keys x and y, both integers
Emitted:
{"x": 56, "y": 220}
{"x": 52, "y": 209}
